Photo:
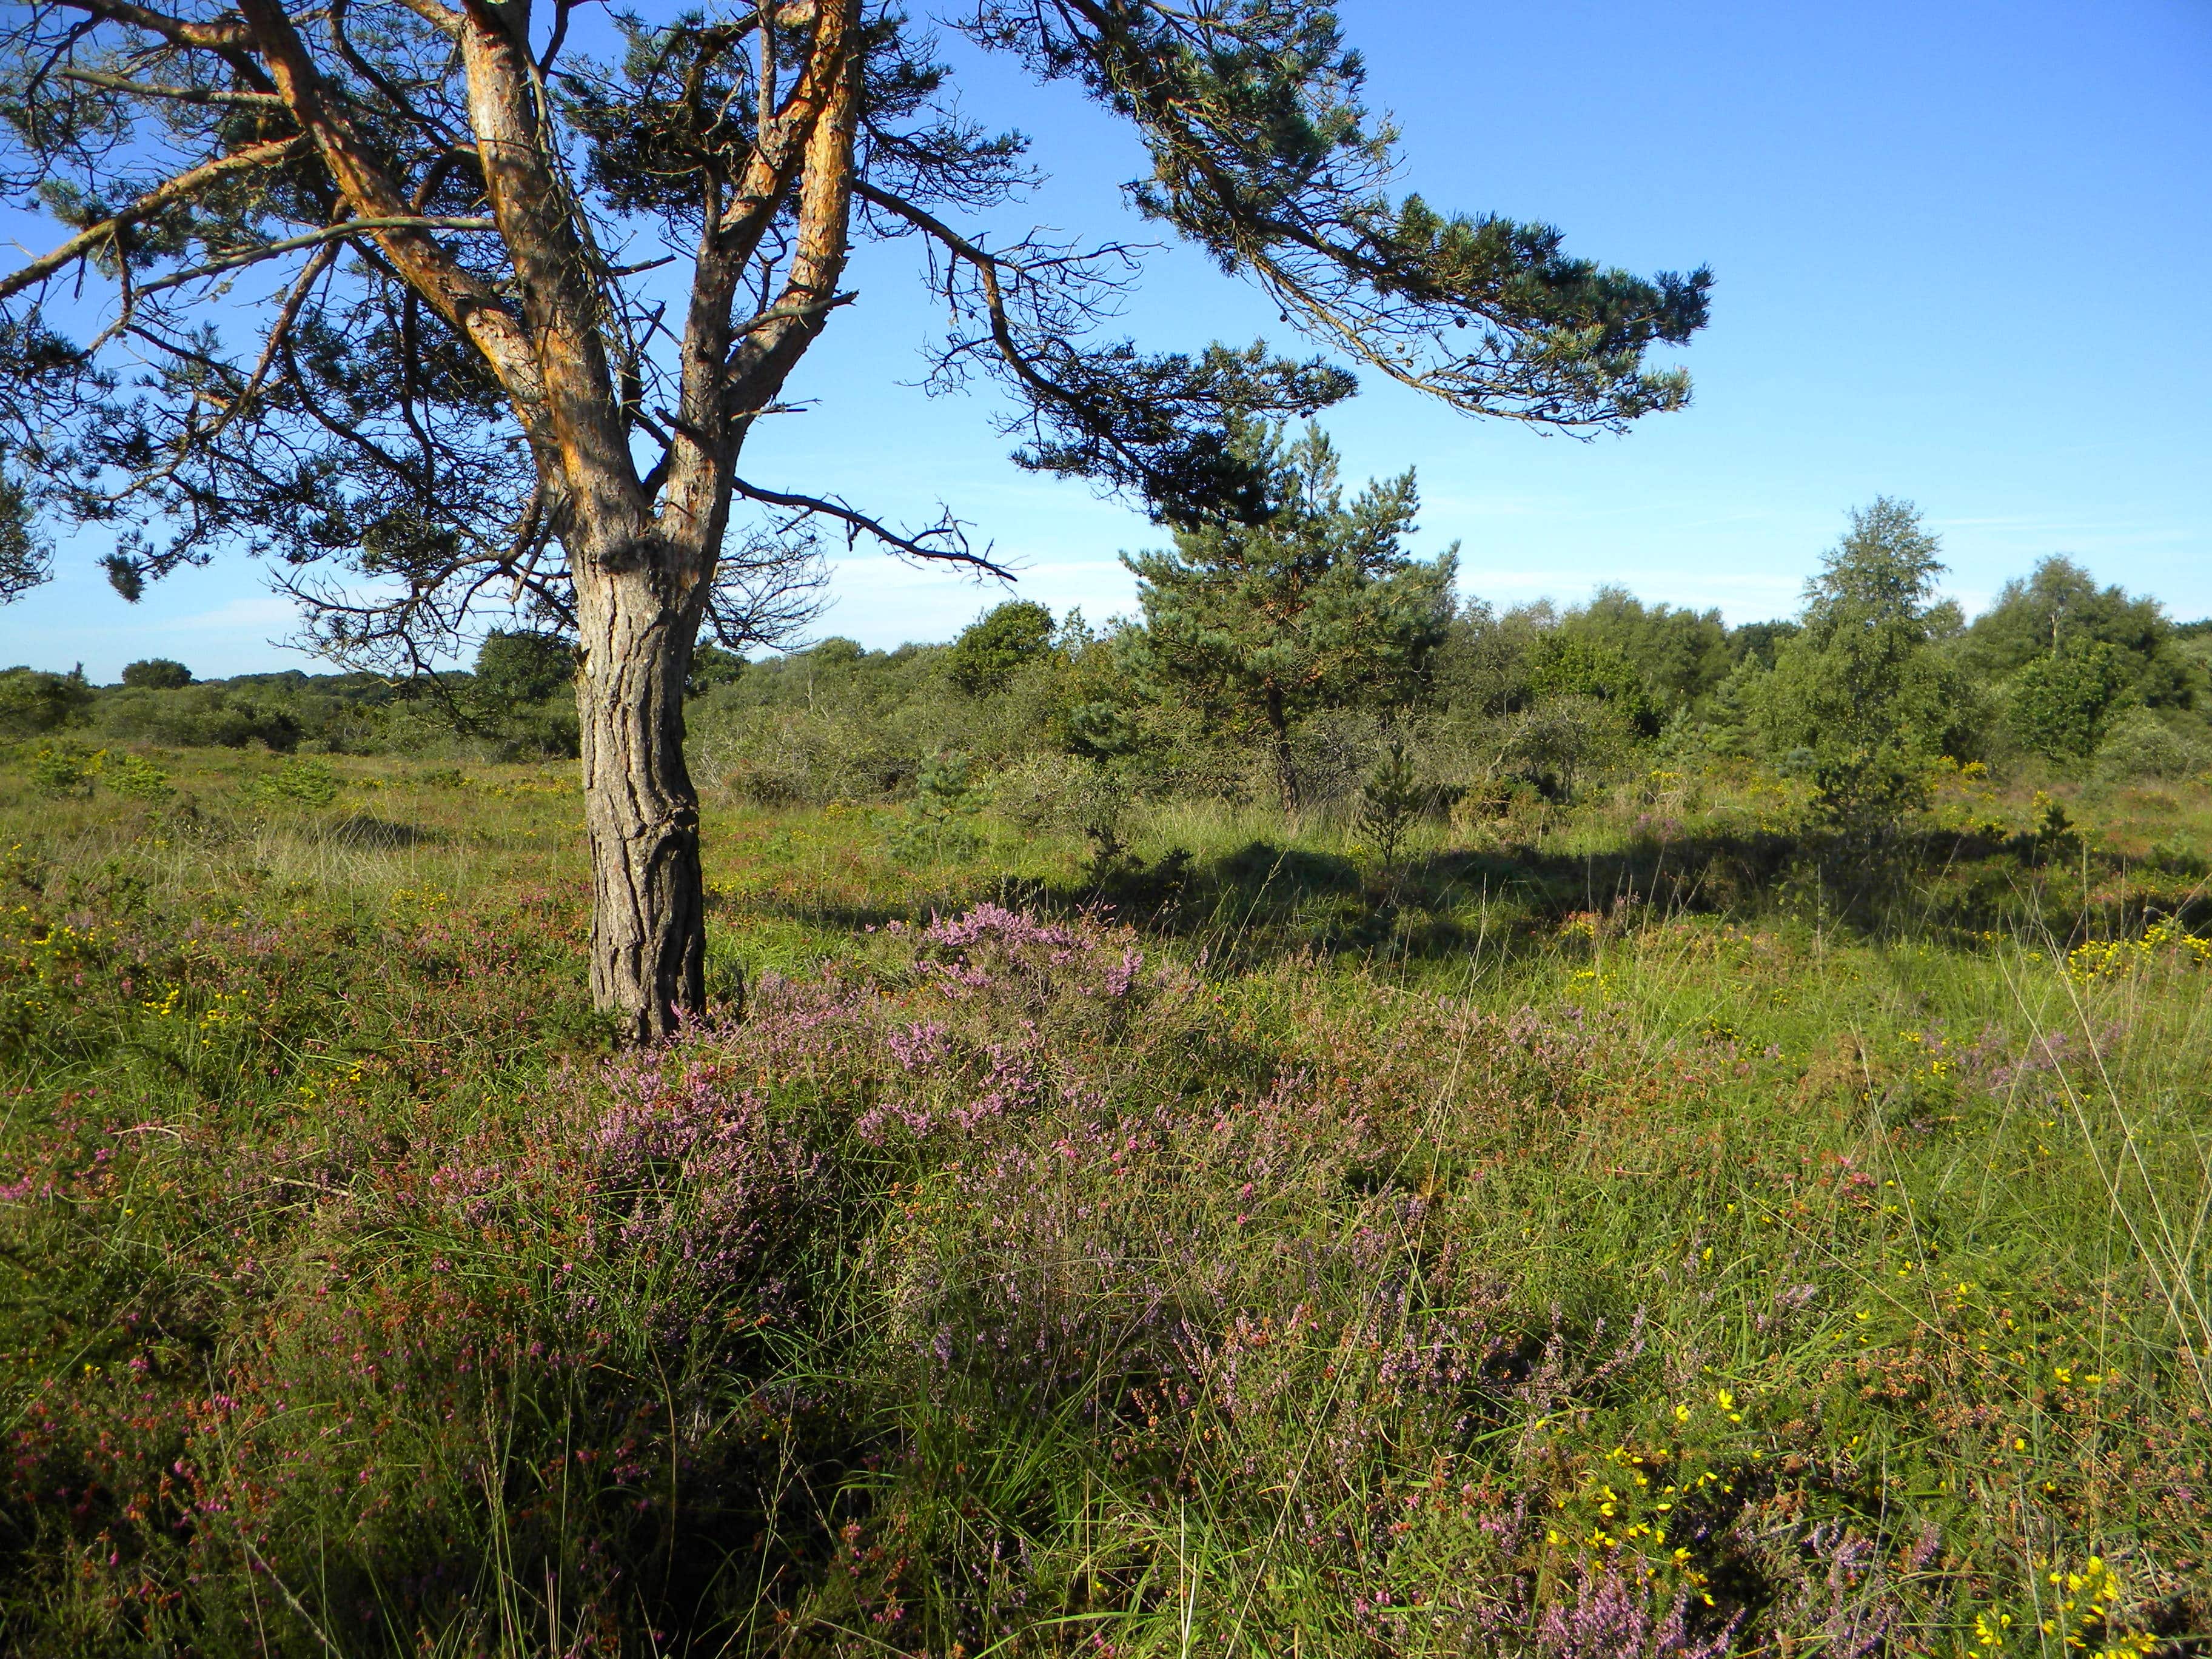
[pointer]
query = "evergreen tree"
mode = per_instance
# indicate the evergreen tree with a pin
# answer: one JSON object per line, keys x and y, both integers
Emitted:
{"x": 1310, "y": 602}
{"x": 24, "y": 559}
{"x": 1390, "y": 800}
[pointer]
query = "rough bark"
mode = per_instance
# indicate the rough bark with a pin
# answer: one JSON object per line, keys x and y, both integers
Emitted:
{"x": 641, "y": 809}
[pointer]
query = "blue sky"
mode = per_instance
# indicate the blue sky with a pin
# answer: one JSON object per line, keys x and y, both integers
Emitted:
{"x": 1961, "y": 249}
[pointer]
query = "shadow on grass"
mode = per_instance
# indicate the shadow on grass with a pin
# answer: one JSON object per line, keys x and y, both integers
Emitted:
{"x": 365, "y": 832}
{"x": 1266, "y": 902}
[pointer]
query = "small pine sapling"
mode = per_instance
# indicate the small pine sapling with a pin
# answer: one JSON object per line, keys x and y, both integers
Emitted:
{"x": 1391, "y": 799}
{"x": 945, "y": 802}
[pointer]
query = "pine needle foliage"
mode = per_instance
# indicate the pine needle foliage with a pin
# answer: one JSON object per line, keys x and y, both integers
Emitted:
{"x": 1390, "y": 802}
{"x": 1313, "y": 603}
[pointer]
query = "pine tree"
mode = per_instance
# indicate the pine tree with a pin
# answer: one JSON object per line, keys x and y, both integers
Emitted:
{"x": 1390, "y": 801}
{"x": 443, "y": 313}
{"x": 1310, "y": 602}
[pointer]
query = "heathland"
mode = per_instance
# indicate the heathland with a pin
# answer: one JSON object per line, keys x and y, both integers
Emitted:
{"x": 1611, "y": 1220}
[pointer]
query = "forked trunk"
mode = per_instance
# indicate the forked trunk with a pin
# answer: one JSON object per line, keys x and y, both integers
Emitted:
{"x": 649, "y": 902}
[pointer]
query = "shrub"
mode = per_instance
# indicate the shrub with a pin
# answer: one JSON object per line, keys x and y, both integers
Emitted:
{"x": 156, "y": 674}
{"x": 2063, "y": 703}
{"x": 514, "y": 669}
{"x": 984, "y": 658}
{"x": 33, "y": 702}
{"x": 1565, "y": 664}
{"x": 199, "y": 716}
{"x": 2142, "y": 745}
{"x": 1564, "y": 740}
{"x": 1070, "y": 795}
{"x": 133, "y": 776}
{"x": 299, "y": 782}
{"x": 63, "y": 770}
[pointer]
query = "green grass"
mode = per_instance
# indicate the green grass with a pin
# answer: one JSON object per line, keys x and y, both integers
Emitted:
{"x": 1604, "y": 1233}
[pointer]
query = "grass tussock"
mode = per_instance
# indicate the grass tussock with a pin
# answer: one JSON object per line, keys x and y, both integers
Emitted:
{"x": 1239, "y": 1249}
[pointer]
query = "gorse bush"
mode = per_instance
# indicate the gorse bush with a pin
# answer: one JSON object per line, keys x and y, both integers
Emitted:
{"x": 63, "y": 769}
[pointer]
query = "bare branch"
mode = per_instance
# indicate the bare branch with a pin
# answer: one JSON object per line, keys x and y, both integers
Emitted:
{"x": 986, "y": 266}
{"x": 951, "y": 549}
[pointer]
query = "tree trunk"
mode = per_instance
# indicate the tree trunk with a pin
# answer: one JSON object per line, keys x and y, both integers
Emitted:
{"x": 648, "y": 901}
{"x": 1286, "y": 771}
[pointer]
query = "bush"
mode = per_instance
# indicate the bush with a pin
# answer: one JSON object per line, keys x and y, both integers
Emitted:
{"x": 2063, "y": 703}
{"x": 301, "y": 782}
{"x": 156, "y": 674}
{"x": 198, "y": 717}
{"x": 516, "y": 669}
{"x": 33, "y": 702}
{"x": 133, "y": 777}
{"x": 1393, "y": 799}
{"x": 1070, "y": 795}
{"x": 1563, "y": 741}
{"x": 2142, "y": 745}
{"x": 1563, "y": 666}
{"x": 62, "y": 771}
{"x": 987, "y": 653}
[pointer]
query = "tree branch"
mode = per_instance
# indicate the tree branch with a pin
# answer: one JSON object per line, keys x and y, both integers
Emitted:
{"x": 182, "y": 94}
{"x": 154, "y": 200}
{"x": 228, "y": 33}
{"x": 310, "y": 239}
{"x": 461, "y": 298}
{"x": 859, "y": 523}
{"x": 986, "y": 266}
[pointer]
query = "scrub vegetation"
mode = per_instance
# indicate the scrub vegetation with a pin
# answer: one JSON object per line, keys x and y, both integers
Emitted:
{"x": 1646, "y": 1190}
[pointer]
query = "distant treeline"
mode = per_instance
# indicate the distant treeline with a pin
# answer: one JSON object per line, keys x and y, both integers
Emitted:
{"x": 2060, "y": 674}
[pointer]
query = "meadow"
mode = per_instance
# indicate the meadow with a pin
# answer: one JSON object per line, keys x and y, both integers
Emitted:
{"x": 1590, "y": 1232}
